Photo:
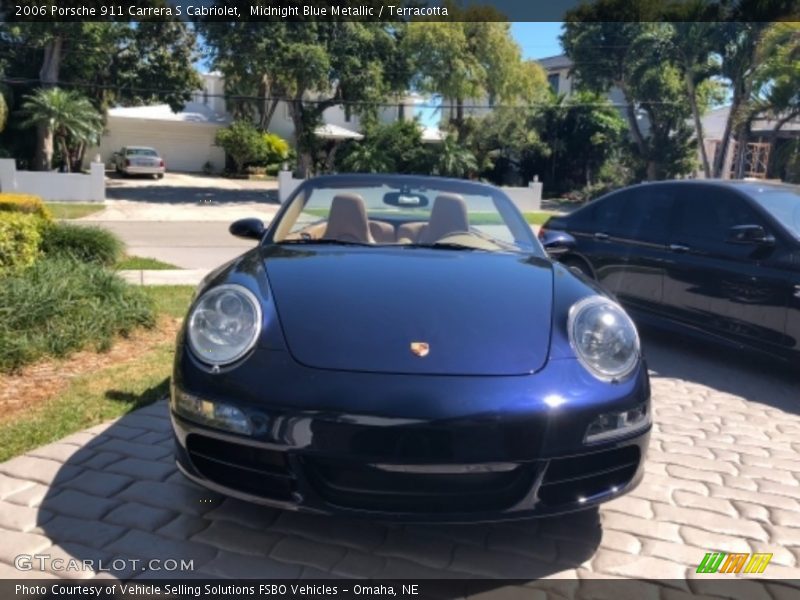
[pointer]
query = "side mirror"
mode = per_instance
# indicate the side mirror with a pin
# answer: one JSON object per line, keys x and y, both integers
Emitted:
{"x": 750, "y": 234}
{"x": 557, "y": 243}
{"x": 251, "y": 229}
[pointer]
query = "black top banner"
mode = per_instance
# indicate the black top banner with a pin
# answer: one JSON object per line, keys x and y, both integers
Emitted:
{"x": 400, "y": 10}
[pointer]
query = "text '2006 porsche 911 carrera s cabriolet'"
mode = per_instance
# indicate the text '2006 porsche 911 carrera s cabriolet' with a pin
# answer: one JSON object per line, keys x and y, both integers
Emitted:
{"x": 403, "y": 348}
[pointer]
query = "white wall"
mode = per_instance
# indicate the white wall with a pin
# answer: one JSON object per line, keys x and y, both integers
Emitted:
{"x": 54, "y": 187}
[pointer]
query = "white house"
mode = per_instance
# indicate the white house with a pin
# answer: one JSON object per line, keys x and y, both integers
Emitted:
{"x": 186, "y": 139}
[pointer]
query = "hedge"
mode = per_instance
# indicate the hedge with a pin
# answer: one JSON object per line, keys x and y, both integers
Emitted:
{"x": 20, "y": 240}
{"x": 86, "y": 244}
{"x": 58, "y": 306}
{"x": 25, "y": 203}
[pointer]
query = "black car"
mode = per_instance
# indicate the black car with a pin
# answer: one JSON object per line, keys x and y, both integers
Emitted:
{"x": 719, "y": 258}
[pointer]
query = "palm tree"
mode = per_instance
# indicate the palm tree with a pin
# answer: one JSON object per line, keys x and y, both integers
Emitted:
{"x": 65, "y": 115}
{"x": 453, "y": 159}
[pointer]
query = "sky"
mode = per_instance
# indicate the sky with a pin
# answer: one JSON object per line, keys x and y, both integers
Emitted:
{"x": 537, "y": 40}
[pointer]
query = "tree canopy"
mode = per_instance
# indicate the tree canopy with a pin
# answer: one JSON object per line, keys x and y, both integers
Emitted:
{"x": 110, "y": 63}
{"x": 310, "y": 65}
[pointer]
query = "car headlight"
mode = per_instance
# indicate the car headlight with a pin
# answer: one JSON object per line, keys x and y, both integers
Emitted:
{"x": 604, "y": 338}
{"x": 616, "y": 424}
{"x": 224, "y": 324}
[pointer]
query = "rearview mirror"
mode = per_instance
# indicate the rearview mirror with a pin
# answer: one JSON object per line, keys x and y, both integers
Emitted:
{"x": 750, "y": 234}
{"x": 405, "y": 199}
{"x": 251, "y": 229}
{"x": 557, "y": 243}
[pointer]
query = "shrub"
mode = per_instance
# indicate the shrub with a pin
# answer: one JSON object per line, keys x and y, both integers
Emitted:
{"x": 58, "y": 306}
{"x": 246, "y": 145}
{"x": 20, "y": 239}
{"x": 25, "y": 203}
{"x": 85, "y": 244}
{"x": 276, "y": 148}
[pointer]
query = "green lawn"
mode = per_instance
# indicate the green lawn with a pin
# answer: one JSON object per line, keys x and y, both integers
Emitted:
{"x": 73, "y": 210}
{"x": 172, "y": 300}
{"x": 142, "y": 263}
{"x": 538, "y": 218}
{"x": 103, "y": 394}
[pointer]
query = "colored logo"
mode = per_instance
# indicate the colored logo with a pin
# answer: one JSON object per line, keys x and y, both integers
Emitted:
{"x": 421, "y": 349}
{"x": 721, "y": 562}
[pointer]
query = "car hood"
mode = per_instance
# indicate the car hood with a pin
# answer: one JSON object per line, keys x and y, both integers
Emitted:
{"x": 362, "y": 309}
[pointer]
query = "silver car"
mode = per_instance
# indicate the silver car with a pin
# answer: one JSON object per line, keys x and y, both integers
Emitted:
{"x": 139, "y": 160}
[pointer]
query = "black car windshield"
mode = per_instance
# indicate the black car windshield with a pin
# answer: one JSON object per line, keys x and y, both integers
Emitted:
{"x": 407, "y": 212}
{"x": 783, "y": 203}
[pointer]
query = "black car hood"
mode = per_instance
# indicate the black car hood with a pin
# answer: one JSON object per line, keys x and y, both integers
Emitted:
{"x": 360, "y": 309}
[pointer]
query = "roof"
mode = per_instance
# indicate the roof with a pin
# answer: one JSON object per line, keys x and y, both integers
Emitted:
{"x": 193, "y": 112}
{"x": 714, "y": 124}
{"x": 560, "y": 61}
{"x": 336, "y": 132}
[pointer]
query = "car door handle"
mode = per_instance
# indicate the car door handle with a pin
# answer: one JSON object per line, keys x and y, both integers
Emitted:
{"x": 600, "y": 236}
{"x": 679, "y": 248}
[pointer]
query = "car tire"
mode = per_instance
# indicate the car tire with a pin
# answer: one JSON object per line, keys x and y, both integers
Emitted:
{"x": 160, "y": 176}
{"x": 579, "y": 265}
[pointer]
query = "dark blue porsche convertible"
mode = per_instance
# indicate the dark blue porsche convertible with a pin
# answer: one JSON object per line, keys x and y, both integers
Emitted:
{"x": 401, "y": 347}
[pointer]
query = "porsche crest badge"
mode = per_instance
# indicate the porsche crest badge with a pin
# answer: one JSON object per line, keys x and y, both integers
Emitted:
{"x": 420, "y": 349}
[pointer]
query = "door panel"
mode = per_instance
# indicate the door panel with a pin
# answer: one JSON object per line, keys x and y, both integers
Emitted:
{"x": 625, "y": 238}
{"x": 736, "y": 290}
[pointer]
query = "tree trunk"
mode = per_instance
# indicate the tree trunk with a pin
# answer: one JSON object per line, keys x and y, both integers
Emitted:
{"x": 79, "y": 154}
{"x": 721, "y": 158}
{"x": 698, "y": 124}
{"x": 48, "y": 77}
{"x": 304, "y": 158}
{"x": 636, "y": 132}
{"x": 273, "y": 106}
{"x": 65, "y": 152}
{"x": 459, "y": 120}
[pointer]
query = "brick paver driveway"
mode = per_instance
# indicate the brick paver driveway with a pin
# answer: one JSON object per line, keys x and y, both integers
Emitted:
{"x": 723, "y": 474}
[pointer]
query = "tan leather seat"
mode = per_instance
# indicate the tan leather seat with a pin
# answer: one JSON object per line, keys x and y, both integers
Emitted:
{"x": 448, "y": 216}
{"x": 347, "y": 220}
{"x": 382, "y": 232}
{"x": 410, "y": 231}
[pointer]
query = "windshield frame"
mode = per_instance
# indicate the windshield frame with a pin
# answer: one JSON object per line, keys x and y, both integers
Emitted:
{"x": 507, "y": 210}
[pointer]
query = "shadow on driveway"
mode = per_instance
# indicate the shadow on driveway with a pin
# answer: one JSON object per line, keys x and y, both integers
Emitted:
{"x": 118, "y": 495}
{"x": 751, "y": 376}
{"x": 191, "y": 195}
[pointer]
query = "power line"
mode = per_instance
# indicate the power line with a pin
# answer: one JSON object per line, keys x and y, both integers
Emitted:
{"x": 335, "y": 101}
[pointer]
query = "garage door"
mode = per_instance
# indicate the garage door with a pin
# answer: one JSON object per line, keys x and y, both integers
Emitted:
{"x": 184, "y": 146}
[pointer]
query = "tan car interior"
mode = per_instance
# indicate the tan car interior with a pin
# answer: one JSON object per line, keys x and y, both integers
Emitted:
{"x": 347, "y": 221}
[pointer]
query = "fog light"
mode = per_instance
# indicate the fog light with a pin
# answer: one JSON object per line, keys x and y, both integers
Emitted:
{"x": 213, "y": 414}
{"x": 617, "y": 424}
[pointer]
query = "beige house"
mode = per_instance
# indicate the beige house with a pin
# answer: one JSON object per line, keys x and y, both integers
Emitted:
{"x": 186, "y": 139}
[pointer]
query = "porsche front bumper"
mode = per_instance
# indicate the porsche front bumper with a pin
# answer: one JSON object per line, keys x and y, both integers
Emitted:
{"x": 482, "y": 449}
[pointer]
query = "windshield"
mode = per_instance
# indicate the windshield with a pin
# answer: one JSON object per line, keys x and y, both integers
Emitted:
{"x": 407, "y": 212}
{"x": 783, "y": 204}
{"x": 141, "y": 152}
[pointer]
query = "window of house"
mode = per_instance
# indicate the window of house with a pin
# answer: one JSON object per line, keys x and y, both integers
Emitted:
{"x": 554, "y": 79}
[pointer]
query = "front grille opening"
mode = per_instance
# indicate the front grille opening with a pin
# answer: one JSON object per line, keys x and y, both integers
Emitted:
{"x": 358, "y": 486}
{"x": 248, "y": 469}
{"x": 567, "y": 480}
